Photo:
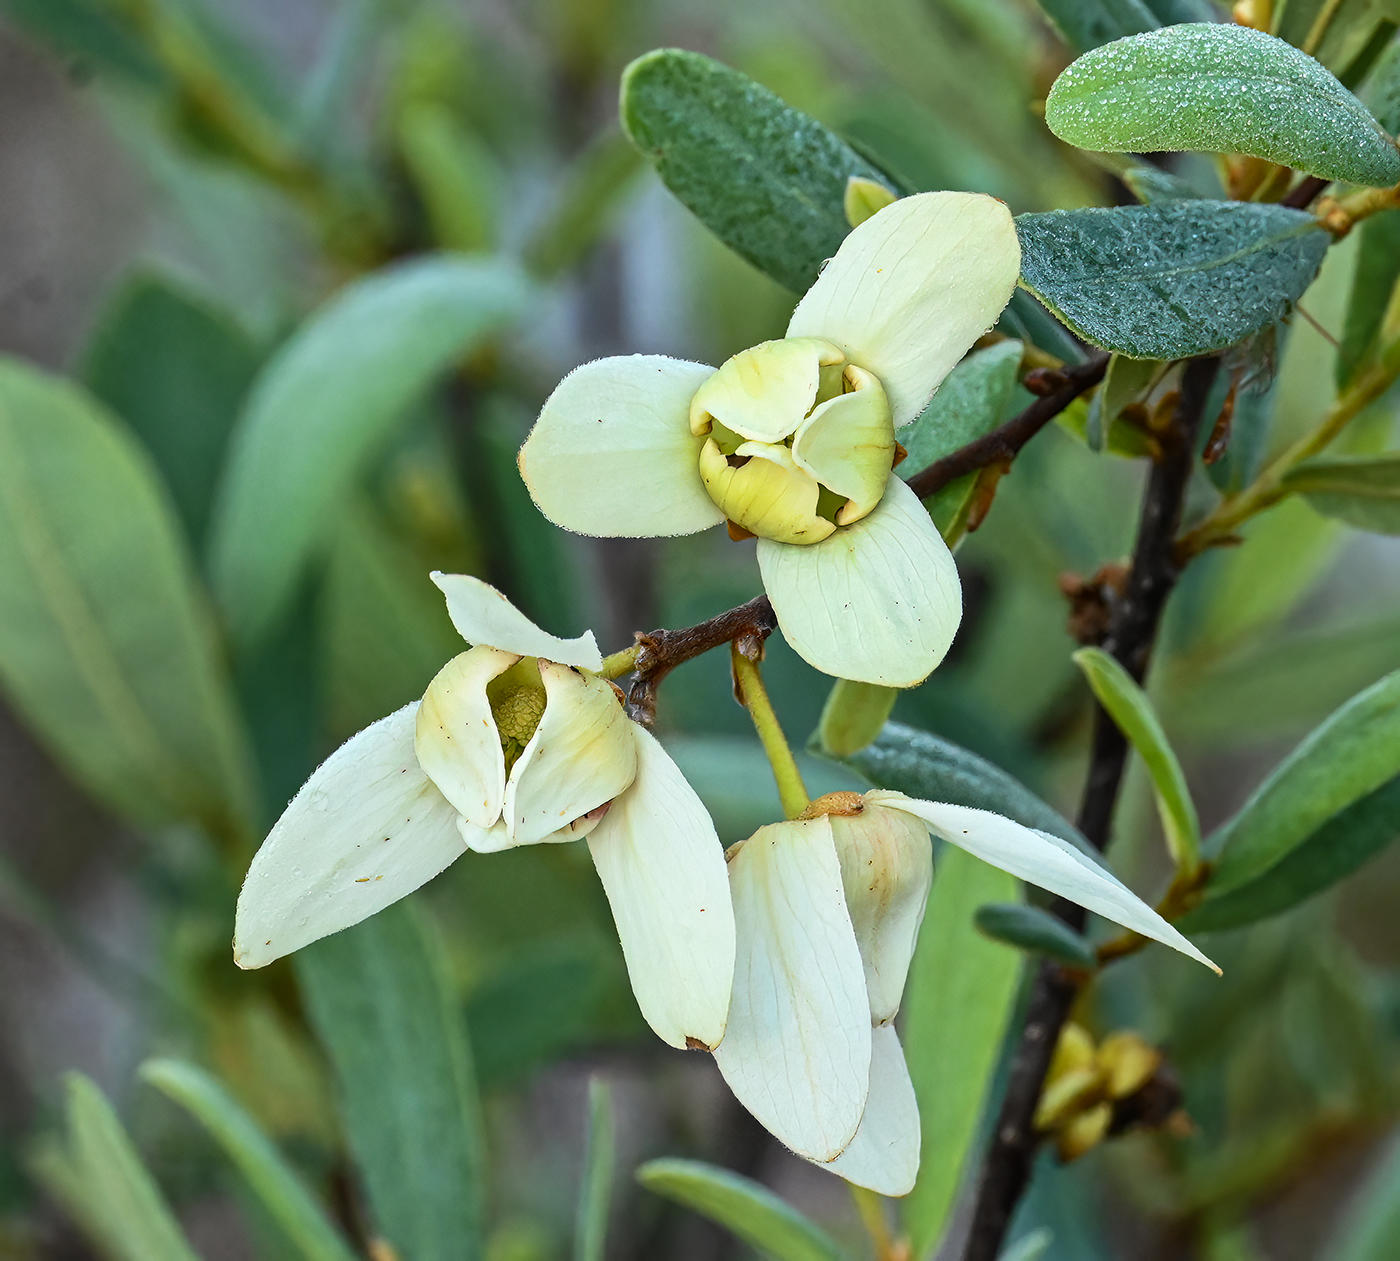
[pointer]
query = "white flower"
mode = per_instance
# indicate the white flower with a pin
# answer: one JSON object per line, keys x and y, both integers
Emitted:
{"x": 793, "y": 440}
{"x": 828, "y": 908}
{"x": 517, "y": 741}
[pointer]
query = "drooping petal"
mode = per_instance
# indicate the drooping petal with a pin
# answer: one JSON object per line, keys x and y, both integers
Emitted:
{"x": 456, "y": 740}
{"x": 797, "y": 1050}
{"x": 491, "y": 840}
{"x": 887, "y": 871}
{"x": 662, "y": 867}
{"x": 847, "y": 444}
{"x": 1042, "y": 859}
{"x": 884, "y": 1155}
{"x": 764, "y": 392}
{"x": 878, "y": 602}
{"x": 612, "y": 454}
{"x": 582, "y": 755}
{"x": 912, "y": 288}
{"x": 768, "y": 495}
{"x": 482, "y": 615}
{"x": 366, "y": 829}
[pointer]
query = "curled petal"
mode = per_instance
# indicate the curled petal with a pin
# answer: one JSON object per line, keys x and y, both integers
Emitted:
{"x": 581, "y": 756}
{"x": 878, "y": 602}
{"x": 884, "y": 1155}
{"x": 612, "y": 454}
{"x": 797, "y": 1050}
{"x": 482, "y": 615}
{"x": 887, "y": 871}
{"x": 847, "y": 444}
{"x": 366, "y": 829}
{"x": 1042, "y": 859}
{"x": 912, "y": 288}
{"x": 768, "y": 494}
{"x": 764, "y": 392}
{"x": 662, "y": 867}
{"x": 456, "y": 740}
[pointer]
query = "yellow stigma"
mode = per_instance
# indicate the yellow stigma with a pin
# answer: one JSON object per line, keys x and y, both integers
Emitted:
{"x": 517, "y": 704}
{"x": 798, "y": 441}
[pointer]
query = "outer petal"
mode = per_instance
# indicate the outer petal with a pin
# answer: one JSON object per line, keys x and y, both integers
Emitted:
{"x": 482, "y": 615}
{"x": 581, "y": 756}
{"x": 912, "y": 288}
{"x": 878, "y": 602}
{"x": 886, "y": 870}
{"x": 612, "y": 454}
{"x": 366, "y": 829}
{"x": 797, "y": 1051}
{"x": 1042, "y": 859}
{"x": 884, "y": 1155}
{"x": 456, "y": 740}
{"x": 662, "y": 867}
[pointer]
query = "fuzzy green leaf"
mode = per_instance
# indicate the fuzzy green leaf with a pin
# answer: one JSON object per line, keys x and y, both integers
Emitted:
{"x": 1172, "y": 279}
{"x": 1035, "y": 931}
{"x": 1362, "y": 490}
{"x": 380, "y": 1003}
{"x": 766, "y": 179}
{"x": 326, "y": 403}
{"x": 744, "y": 1208}
{"x": 1218, "y": 88}
{"x": 106, "y": 647}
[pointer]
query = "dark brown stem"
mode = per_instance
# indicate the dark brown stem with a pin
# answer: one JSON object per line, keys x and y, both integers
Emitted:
{"x": 1302, "y": 195}
{"x": 661, "y": 651}
{"x": 1136, "y": 616}
{"x": 1004, "y": 443}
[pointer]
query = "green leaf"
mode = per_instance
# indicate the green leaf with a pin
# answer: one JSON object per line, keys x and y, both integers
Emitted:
{"x": 1086, "y": 24}
{"x": 956, "y": 1010}
{"x": 1127, "y": 704}
{"x": 1372, "y": 289}
{"x": 454, "y": 174}
{"x": 88, "y": 31}
{"x": 1362, "y": 490}
{"x": 1125, "y": 381}
{"x": 852, "y": 717}
{"x": 274, "y": 1183}
{"x": 327, "y": 402}
{"x": 1371, "y": 1223}
{"x": 1172, "y": 279}
{"x": 588, "y": 200}
{"x": 1036, "y": 931}
{"x": 1217, "y": 88}
{"x": 595, "y": 1194}
{"x": 766, "y": 179}
{"x": 1342, "y": 845}
{"x": 976, "y": 397}
{"x": 176, "y": 370}
{"x": 1356, "y": 33}
{"x": 106, "y": 647}
{"x": 742, "y": 1207}
{"x": 379, "y": 1001}
{"x": 99, "y": 1177}
{"x": 1354, "y": 752}
{"x": 919, "y": 764}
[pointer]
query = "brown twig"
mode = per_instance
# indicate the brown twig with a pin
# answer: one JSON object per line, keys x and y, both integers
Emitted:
{"x": 1302, "y": 195}
{"x": 1004, "y": 443}
{"x": 1131, "y": 632}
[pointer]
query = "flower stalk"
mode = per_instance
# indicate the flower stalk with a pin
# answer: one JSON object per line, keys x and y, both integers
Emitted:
{"x": 748, "y": 686}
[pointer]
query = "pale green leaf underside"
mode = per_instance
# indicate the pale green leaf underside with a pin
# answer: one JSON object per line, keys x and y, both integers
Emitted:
{"x": 1036, "y": 931}
{"x": 1217, "y": 88}
{"x": 1362, "y": 490}
{"x": 1172, "y": 279}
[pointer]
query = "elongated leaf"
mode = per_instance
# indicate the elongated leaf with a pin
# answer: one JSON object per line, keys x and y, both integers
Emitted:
{"x": 89, "y": 31}
{"x": 272, "y": 1180}
{"x": 1342, "y": 845}
{"x": 957, "y": 1006}
{"x": 326, "y": 402}
{"x": 105, "y": 645}
{"x": 852, "y": 717}
{"x": 379, "y": 1001}
{"x": 1127, "y": 704}
{"x": 595, "y": 1194}
{"x": 1362, "y": 490}
{"x": 766, "y": 179}
{"x": 1036, "y": 931}
{"x": 741, "y": 1206}
{"x": 1219, "y": 88}
{"x": 99, "y": 1177}
{"x": 1172, "y": 279}
{"x": 1371, "y": 1223}
{"x": 919, "y": 764}
{"x": 1372, "y": 288}
{"x": 1125, "y": 381}
{"x": 1354, "y": 752}
{"x": 176, "y": 370}
{"x": 1086, "y": 24}
{"x": 975, "y": 399}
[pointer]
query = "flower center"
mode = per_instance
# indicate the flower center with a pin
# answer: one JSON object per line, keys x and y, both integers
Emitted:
{"x": 798, "y": 440}
{"x": 517, "y": 704}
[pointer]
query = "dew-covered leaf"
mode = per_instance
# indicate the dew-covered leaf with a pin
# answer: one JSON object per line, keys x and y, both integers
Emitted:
{"x": 1220, "y": 88}
{"x": 1172, "y": 279}
{"x": 1362, "y": 490}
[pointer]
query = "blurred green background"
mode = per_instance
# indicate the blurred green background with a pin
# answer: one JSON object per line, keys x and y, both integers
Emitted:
{"x": 184, "y": 183}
